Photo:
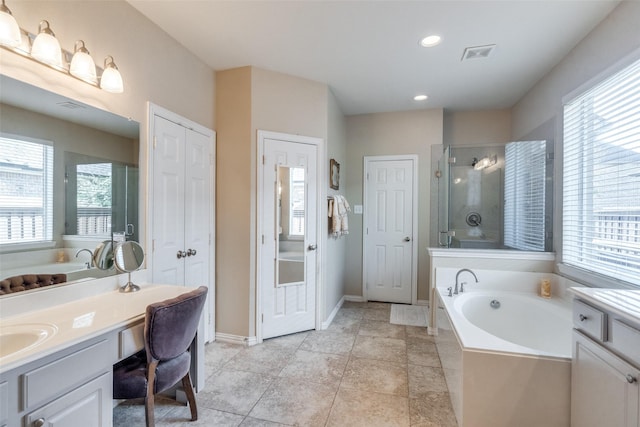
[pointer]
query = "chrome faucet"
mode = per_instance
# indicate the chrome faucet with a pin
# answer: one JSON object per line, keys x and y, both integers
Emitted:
{"x": 89, "y": 263}
{"x": 455, "y": 291}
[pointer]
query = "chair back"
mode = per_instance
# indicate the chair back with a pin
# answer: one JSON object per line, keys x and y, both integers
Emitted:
{"x": 171, "y": 325}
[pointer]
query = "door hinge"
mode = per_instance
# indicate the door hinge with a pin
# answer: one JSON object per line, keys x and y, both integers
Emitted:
{"x": 263, "y": 239}
{"x": 263, "y": 159}
{"x": 211, "y": 159}
{"x": 367, "y": 176}
{"x": 153, "y": 245}
{"x": 262, "y": 320}
{"x": 155, "y": 141}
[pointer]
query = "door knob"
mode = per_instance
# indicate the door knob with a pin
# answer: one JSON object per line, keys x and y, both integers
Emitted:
{"x": 191, "y": 252}
{"x": 312, "y": 247}
{"x": 631, "y": 379}
{"x": 181, "y": 254}
{"x": 407, "y": 239}
{"x": 39, "y": 422}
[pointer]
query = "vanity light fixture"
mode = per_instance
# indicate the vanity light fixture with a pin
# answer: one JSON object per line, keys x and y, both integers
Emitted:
{"x": 420, "y": 98}
{"x": 111, "y": 80}
{"x": 46, "y": 47}
{"x": 430, "y": 41}
{"x": 9, "y": 29}
{"x": 82, "y": 65}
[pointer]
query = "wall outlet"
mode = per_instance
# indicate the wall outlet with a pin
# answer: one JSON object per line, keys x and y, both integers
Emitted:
{"x": 357, "y": 209}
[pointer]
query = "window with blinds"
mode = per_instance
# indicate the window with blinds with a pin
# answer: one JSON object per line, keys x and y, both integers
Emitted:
{"x": 524, "y": 195}
{"x": 601, "y": 178}
{"x": 26, "y": 191}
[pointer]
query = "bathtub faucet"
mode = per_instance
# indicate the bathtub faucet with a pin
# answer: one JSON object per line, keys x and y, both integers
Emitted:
{"x": 455, "y": 291}
{"x": 89, "y": 263}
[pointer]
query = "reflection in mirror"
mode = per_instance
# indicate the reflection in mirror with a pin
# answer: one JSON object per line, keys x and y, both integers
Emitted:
{"x": 103, "y": 255}
{"x": 129, "y": 257}
{"x": 48, "y": 237}
{"x": 290, "y": 205}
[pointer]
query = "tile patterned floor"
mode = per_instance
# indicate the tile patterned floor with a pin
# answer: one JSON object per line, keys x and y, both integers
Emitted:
{"x": 361, "y": 371}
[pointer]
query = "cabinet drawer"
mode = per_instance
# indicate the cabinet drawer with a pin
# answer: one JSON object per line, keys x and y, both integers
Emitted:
{"x": 626, "y": 340}
{"x": 590, "y": 320}
{"x": 65, "y": 373}
{"x": 131, "y": 340}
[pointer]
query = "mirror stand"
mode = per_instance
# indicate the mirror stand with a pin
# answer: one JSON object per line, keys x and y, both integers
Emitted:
{"x": 130, "y": 286}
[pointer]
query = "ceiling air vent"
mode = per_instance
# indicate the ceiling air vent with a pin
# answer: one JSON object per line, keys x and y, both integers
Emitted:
{"x": 478, "y": 52}
{"x": 70, "y": 105}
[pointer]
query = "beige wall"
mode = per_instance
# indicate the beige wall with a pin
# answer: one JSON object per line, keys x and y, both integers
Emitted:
{"x": 487, "y": 127}
{"x": 154, "y": 66}
{"x": 615, "y": 37}
{"x": 408, "y": 132}
{"x": 251, "y": 99}
{"x": 335, "y": 264}
{"x": 234, "y": 186}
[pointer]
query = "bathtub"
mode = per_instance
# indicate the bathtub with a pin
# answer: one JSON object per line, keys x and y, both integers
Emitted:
{"x": 506, "y": 366}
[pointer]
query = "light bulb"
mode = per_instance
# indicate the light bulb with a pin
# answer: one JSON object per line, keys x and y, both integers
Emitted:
{"x": 9, "y": 29}
{"x": 111, "y": 80}
{"x": 82, "y": 65}
{"x": 46, "y": 47}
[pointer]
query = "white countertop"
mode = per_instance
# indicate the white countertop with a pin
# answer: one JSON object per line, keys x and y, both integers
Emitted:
{"x": 83, "y": 319}
{"x": 623, "y": 302}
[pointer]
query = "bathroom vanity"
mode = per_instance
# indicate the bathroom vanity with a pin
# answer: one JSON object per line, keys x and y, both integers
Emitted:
{"x": 606, "y": 358}
{"x": 56, "y": 363}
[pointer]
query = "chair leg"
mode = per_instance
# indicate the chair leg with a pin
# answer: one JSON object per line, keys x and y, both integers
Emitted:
{"x": 191, "y": 397}
{"x": 149, "y": 399}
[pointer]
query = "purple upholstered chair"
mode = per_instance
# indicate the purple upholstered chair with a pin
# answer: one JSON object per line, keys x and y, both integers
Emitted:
{"x": 169, "y": 329}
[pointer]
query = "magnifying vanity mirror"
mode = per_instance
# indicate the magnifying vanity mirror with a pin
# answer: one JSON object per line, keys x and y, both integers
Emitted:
{"x": 128, "y": 257}
{"x": 103, "y": 255}
{"x": 290, "y": 223}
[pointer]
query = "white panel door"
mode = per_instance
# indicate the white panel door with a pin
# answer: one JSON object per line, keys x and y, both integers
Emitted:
{"x": 197, "y": 209}
{"x": 168, "y": 211}
{"x": 389, "y": 230}
{"x": 290, "y": 307}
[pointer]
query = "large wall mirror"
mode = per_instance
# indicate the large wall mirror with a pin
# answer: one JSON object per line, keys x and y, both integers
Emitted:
{"x": 69, "y": 182}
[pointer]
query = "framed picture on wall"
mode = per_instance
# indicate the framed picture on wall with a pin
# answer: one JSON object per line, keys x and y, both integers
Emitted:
{"x": 334, "y": 174}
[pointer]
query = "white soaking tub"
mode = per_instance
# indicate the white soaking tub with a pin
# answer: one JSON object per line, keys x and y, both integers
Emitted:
{"x": 506, "y": 363}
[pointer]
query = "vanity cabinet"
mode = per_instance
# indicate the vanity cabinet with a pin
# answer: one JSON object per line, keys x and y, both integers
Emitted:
{"x": 605, "y": 368}
{"x": 70, "y": 388}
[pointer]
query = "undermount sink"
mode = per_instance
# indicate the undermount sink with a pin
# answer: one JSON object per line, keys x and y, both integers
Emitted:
{"x": 17, "y": 338}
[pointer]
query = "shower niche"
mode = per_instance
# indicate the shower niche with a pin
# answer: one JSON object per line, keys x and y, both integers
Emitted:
{"x": 493, "y": 197}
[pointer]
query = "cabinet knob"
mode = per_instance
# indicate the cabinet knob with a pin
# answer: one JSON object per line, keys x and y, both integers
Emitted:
{"x": 631, "y": 379}
{"x": 39, "y": 422}
{"x": 583, "y": 317}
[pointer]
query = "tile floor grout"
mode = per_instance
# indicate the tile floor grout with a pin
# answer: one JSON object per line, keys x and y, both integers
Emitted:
{"x": 318, "y": 378}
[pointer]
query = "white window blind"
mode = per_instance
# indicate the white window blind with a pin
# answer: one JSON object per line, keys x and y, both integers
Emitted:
{"x": 26, "y": 191}
{"x": 524, "y": 195}
{"x": 601, "y": 178}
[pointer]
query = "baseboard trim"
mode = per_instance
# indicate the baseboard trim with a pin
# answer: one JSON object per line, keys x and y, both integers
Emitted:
{"x": 335, "y": 310}
{"x": 236, "y": 339}
{"x": 354, "y": 298}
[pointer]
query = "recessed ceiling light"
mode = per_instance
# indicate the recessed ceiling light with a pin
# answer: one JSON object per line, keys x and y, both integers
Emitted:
{"x": 430, "y": 41}
{"x": 420, "y": 97}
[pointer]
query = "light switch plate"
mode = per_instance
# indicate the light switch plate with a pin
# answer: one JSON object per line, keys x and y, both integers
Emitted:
{"x": 357, "y": 209}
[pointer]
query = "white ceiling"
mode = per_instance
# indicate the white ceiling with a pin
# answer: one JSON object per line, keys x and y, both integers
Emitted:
{"x": 368, "y": 52}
